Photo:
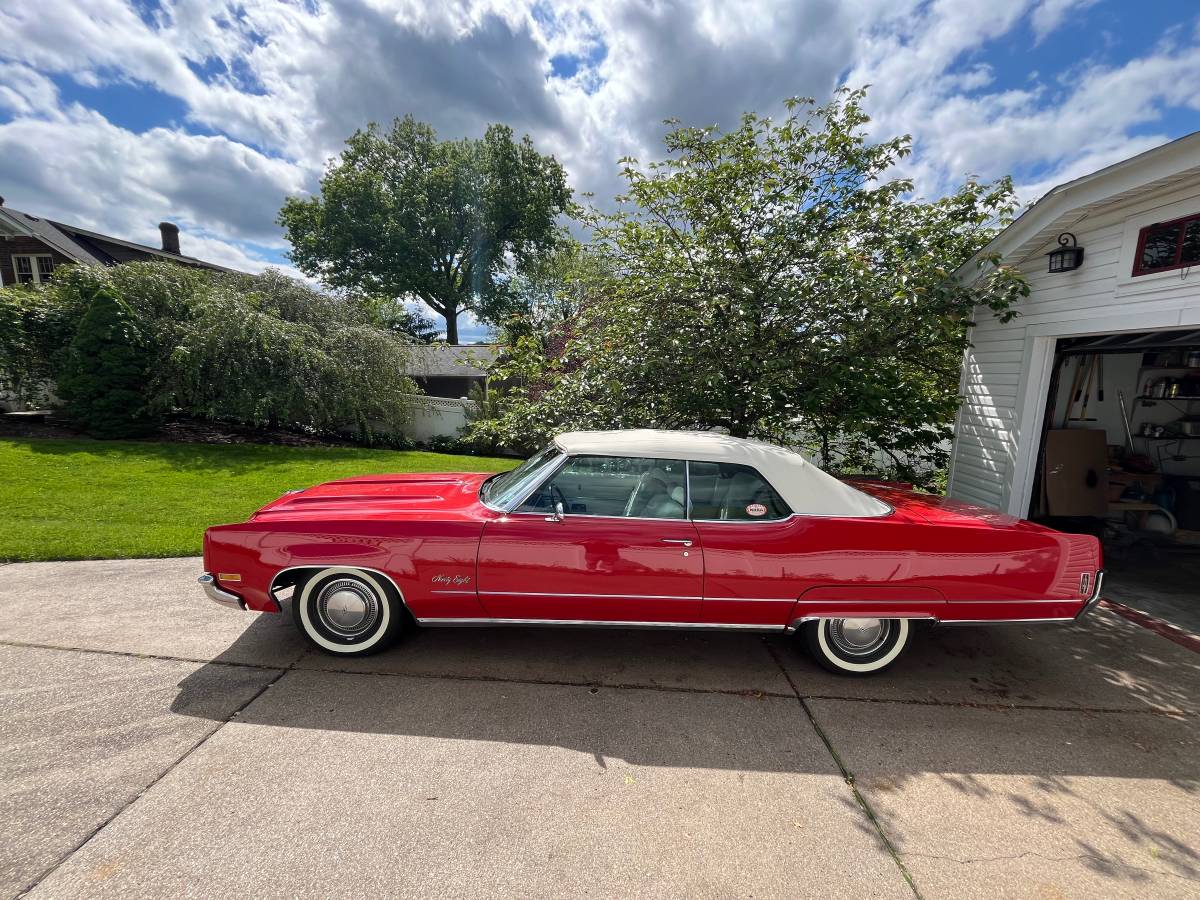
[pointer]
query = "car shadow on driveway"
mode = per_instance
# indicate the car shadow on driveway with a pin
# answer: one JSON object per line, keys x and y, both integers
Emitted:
{"x": 1050, "y": 756}
{"x": 687, "y": 698}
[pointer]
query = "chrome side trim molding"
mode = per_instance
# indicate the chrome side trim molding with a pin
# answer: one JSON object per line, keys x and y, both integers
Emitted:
{"x": 596, "y": 596}
{"x": 596, "y": 623}
{"x": 623, "y": 596}
{"x": 1004, "y": 621}
{"x": 216, "y": 595}
{"x": 788, "y": 600}
{"x": 1038, "y": 600}
{"x": 1057, "y": 620}
{"x": 796, "y": 623}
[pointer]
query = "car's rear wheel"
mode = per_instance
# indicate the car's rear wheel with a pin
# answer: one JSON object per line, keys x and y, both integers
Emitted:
{"x": 347, "y": 611}
{"x": 856, "y": 646}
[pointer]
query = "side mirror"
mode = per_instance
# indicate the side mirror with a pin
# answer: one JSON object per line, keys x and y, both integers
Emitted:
{"x": 558, "y": 512}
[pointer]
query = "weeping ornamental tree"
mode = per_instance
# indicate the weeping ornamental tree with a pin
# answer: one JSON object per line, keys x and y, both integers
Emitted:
{"x": 776, "y": 281}
{"x": 131, "y": 344}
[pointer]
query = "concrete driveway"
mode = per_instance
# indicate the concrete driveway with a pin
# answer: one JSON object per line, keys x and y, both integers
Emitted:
{"x": 157, "y": 745}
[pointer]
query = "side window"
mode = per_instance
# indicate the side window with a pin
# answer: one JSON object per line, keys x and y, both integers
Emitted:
{"x": 730, "y": 492}
{"x": 615, "y": 486}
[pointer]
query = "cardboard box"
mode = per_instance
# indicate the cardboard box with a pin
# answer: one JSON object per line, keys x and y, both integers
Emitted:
{"x": 1076, "y": 472}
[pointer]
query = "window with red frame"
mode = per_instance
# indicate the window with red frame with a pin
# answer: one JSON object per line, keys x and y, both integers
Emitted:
{"x": 1168, "y": 245}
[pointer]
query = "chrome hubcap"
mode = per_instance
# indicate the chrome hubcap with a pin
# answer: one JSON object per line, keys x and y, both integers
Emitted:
{"x": 347, "y": 607}
{"x": 859, "y": 637}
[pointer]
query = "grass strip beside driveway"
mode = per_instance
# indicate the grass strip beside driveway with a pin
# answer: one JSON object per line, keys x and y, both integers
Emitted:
{"x": 85, "y": 499}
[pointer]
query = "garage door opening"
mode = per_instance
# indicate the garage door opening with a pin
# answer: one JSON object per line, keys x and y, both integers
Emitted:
{"x": 1119, "y": 457}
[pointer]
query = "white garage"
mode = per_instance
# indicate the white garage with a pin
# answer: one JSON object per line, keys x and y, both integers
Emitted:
{"x": 1112, "y": 321}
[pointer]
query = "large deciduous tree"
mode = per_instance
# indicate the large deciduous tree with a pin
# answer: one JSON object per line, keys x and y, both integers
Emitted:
{"x": 776, "y": 280}
{"x": 404, "y": 215}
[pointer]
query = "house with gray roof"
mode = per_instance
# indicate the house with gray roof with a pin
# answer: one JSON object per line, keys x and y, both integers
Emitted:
{"x": 450, "y": 370}
{"x": 32, "y": 247}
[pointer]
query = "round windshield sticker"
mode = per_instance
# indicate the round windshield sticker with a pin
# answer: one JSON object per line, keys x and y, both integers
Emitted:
{"x": 756, "y": 509}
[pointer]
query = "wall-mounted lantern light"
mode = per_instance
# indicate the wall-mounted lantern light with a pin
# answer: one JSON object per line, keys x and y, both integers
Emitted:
{"x": 1068, "y": 256}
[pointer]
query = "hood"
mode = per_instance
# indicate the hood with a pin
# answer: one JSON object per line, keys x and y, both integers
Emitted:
{"x": 433, "y": 495}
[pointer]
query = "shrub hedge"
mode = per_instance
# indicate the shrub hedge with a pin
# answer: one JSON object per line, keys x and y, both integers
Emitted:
{"x": 260, "y": 350}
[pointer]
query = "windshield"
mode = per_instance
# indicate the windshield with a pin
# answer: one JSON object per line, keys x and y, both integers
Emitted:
{"x": 501, "y": 491}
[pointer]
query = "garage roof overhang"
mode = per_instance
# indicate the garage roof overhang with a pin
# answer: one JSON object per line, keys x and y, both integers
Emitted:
{"x": 1067, "y": 204}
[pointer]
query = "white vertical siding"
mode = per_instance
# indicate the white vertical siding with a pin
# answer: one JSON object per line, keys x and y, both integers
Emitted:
{"x": 997, "y": 367}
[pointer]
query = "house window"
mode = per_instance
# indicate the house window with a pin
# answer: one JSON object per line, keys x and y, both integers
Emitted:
{"x": 1168, "y": 245}
{"x": 33, "y": 269}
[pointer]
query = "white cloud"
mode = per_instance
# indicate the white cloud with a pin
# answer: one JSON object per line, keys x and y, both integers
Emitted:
{"x": 281, "y": 85}
{"x": 1057, "y": 130}
{"x": 1050, "y": 14}
{"x": 25, "y": 91}
{"x": 79, "y": 168}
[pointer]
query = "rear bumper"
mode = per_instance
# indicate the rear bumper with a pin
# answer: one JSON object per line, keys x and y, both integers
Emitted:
{"x": 217, "y": 595}
{"x": 1094, "y": 599}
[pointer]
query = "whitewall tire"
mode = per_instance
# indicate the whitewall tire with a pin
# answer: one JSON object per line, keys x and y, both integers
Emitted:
{"x": 347, "y": 611}
{"x": 856, "y": 646}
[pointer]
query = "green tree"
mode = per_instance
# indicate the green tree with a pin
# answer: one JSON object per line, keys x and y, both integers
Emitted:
{"x": 105, "y": 376}
{"x": 260, "y": 350}
{"x": 405, "y": 215}
{"x": 403, "y": 320}
{"x": 546, "y": 296}
{"x": 776, "y": 281}
{"x": 36, "y": 329}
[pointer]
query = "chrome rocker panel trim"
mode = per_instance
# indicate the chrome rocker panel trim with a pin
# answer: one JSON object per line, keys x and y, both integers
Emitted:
{"x": 598, "y": 623}
{"x": 216, "y": 595}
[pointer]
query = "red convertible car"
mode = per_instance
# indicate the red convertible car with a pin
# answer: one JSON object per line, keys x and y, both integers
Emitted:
{"x": 647, "y": 528}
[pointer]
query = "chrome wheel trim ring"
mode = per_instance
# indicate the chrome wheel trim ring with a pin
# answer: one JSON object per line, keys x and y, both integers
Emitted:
{"x": 859, "y": 637}
{"x": 347, "y": 607}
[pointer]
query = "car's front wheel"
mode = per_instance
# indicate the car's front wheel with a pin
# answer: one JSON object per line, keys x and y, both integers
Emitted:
{"x": 347, "y": 612}
{"x": 856, "y": 646}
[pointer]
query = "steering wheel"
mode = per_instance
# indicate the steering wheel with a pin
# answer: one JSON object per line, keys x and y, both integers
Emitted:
{"x": 557, "y": 496}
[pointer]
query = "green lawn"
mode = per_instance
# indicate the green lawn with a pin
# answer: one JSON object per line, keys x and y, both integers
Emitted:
{"x": 83, "y": 499}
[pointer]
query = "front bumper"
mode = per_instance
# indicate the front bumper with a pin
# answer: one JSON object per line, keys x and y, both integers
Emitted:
{"x": 216, "y": 595}
{"x": 1094, "y": 599}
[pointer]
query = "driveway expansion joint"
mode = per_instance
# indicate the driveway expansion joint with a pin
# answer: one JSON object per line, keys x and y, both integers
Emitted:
{"x": 1172, "y": 713}
{"x": 848, "y": 776}
{"x": 233, "y": 715}
{"x": 133, "y": 654}
{"x": 1070, "y": 857}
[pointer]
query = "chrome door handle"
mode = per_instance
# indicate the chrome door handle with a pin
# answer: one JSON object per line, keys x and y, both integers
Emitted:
{"x": 685, "y": 543}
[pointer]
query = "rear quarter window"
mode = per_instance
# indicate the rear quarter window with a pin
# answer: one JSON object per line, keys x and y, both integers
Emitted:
{"x": 729, "y": 492}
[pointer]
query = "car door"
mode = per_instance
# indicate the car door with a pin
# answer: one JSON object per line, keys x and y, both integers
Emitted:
{"x": 603, "y": 539}
{"x": 751, "y": 545}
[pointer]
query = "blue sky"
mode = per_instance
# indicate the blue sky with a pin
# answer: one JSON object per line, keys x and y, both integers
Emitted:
{"x": 116, "y": 115}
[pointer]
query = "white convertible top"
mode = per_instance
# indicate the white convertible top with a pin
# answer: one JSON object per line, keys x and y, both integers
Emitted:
{"x": 805, "y": 488}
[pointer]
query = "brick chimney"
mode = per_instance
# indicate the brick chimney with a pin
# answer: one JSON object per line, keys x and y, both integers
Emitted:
{"x": 170, "y": 236}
